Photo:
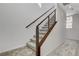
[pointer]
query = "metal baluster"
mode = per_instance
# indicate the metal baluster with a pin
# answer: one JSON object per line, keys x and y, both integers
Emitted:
{"x": 37, "y": 42}
{"x": 48, "y": 23}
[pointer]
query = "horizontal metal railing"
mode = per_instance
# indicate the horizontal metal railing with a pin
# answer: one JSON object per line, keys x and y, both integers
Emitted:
{"x": 39, "y": 17}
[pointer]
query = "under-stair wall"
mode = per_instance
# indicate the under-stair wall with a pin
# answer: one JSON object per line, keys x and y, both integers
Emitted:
{"x": 56, "y": 37}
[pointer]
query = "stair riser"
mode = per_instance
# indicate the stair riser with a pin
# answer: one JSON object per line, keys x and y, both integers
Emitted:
{"x": 44, "y": 30}
{"x": 34, "y": 40}
{"x": 32, "y": 47}
{"x": 45, "y": 27}
{"x": 41, "y": 33}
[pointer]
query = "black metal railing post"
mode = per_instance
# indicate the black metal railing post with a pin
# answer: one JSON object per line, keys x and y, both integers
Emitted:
{"x": 54, "y": 17}
{"x": 48, "y": 23}
{"x": 37, "y": 42}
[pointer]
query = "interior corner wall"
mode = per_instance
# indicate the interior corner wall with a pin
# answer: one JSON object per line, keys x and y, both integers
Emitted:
{"x": 73, "y": 33}
{"x": 57, "y": 35}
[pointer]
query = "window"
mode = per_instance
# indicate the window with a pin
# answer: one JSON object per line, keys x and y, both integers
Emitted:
{"x": 69, "y": 22}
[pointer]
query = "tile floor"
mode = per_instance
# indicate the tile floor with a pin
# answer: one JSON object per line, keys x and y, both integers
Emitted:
{"x": 23, "y": 51}
{"x": 68, "y": 48}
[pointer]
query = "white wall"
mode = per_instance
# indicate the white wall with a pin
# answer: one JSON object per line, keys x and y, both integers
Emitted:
{"x": 73, "y": 33}
{"x": 57, "y": 36}
{"x": 13, "y": 20}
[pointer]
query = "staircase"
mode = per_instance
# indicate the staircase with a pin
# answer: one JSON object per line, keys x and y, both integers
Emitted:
{"x": 32, "y": 43}
{"x": 32, "y": 47}
{"x": 42, "y": 32}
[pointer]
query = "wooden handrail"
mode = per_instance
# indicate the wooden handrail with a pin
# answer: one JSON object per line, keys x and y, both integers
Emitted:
{"x": 39, "y": 44}
{"x": 38, "y": 18}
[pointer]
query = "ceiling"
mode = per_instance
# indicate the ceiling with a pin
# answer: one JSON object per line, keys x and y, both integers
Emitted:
{"x": 71, "y": 8}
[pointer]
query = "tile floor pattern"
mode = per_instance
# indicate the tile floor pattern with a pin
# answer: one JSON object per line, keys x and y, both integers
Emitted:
{"x": 23, "y": 51}
{"x": 68, "y": 48}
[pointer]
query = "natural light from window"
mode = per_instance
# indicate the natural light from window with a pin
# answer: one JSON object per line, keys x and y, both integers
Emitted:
{"x": 69, "y": 22}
